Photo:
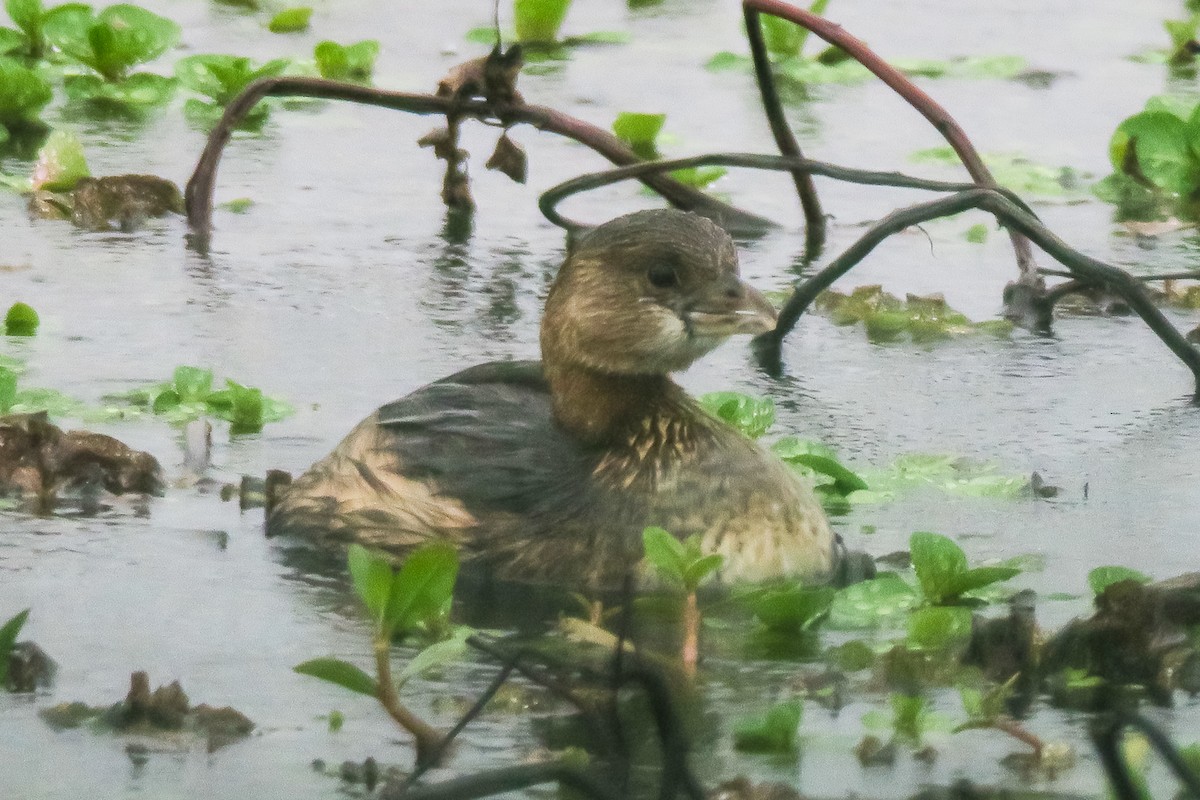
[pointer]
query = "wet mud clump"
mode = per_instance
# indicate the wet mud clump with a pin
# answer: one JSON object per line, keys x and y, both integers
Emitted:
{"x": 159, "y": 713}
{"x": 39, "y": 461}
{"x": 122, "y": 202}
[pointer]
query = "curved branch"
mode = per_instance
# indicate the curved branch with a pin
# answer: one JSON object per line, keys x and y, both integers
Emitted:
{"x": 552, "y": 197}
{"x": 918, "y": 99}
{"x": 814, "y": 217}
{"x": 1083, "y": 267}
{"x": 199, "y": 193}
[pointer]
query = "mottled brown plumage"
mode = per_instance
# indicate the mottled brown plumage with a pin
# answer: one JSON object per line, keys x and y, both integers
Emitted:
{"x": 548, "y": 471}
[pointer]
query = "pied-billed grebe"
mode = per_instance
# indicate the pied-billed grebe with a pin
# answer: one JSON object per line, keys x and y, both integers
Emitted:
{"x": 548, "y": 472}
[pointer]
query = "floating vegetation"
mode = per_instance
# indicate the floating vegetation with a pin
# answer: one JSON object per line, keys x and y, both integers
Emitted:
{"x": 190, "y": 395}
{"x": 20, "y": 320}
{"x": 773, "y": 731}
{"x": 1017, "y": 172}
{"x": 23, "y": 95}
{"x": 918, "y": 319}
{"x": 291, "y": 20}
{"x": 221, "y": 78}
{"x": 351, "y": 62}
{"x": 642, "y": 131}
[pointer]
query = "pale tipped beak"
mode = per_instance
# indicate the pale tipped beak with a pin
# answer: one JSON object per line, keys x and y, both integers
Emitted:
{"x": 736, "y": 307}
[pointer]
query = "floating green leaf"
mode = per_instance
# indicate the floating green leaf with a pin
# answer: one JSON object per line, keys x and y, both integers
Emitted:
{"x": 977, "y": 233}
{"x": 640, "y": 131}
{"x": 820, "y": 463}
{"x": 1102, "y": 577}
{"x": 678, "y": 562}
{"x": 883, "y": 600}
{"x": 910, "y": 716}
{"x": 290, "y": 20}
{"x": 141, "y": 89}
{"x": 538, "y": 21}
{"x": 1156, "y": 146}
{"x": 21, "y": 320}
{"x": 342, "y": 673}
{"x": 753, "y": 416}
{"x": 189, "y": 395}
{"x": 346, "y": 62}
{"x": 8, "y": 389}
{"x": 772, "y": 732}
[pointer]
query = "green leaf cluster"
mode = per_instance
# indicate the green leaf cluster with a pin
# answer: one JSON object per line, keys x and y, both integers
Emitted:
{"x": 415, "y": 596}
{"x": 8, "y": 638}
{"x": 789, "y": 608}
{"x": 887, "y": 318}
{"x": 770, "y": 732}
{"x": 942, "y": 570}
{"x": 753, "y": 416}
{"x": 938, "y": 627}
{"x": 20, "y": 320}
{"x": 1155, "y": 156}
{"x": 112, "y": 42}
{"x": 883, "y": 600}
{"x": 911, "y": 716}
{"x": 28, "y": 39}
{"x": 945, "y": 473}
{"x": 27, "y": 401}
{"x": 23, "y": 95}
{"x": 222, "y": 78}
{"x": 190, "y": 395}
{"x": 680, "y": 563}
{"x": 351, "y": 62}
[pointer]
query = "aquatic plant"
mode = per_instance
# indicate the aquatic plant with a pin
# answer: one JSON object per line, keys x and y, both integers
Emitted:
{"x": 641, "y": 132}
{"x": 753, "y": 416}
{"x": 942, "y": 570}
{"x": 773, "y": 731}
{"x": 111, "y": 44}
{"x": 8, "y": 639}
{"x": 290, "y": 20}
{"x": 684, "y": 566}
{"x": 190, "y": 394}
{"x": 23, "y": 94}
{"x": 28, "y": 40}
{"x": 221, "y": 78}
{"x": 414, "y": 598}
{"x": 20, "y": 320}
{"x": 350, "y": 62}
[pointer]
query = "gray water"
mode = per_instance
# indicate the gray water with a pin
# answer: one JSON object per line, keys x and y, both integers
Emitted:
{"x": 338, "y": 292}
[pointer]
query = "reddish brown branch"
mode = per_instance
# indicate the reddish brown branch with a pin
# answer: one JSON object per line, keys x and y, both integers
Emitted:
{"x": 199, "y": 194}
{"x": 918, "y": 99}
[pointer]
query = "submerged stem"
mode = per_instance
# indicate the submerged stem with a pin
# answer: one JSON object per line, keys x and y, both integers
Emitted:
{"x": 427, "y": 737}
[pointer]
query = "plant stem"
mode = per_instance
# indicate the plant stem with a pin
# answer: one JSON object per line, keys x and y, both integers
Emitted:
{"x": 691, "y": 634}
{"x": 427, "y": 737}
{"x": 1020, "y": 733}
{"x": 918, "y": 99}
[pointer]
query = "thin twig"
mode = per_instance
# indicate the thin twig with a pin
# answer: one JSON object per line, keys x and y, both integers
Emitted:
{"x": 474, "y": 711}
{"x": 814, "y": 217}
{"x": 918, "y": 99}
{"x": 552, "y": 197}
{"x": 199, "y": 193}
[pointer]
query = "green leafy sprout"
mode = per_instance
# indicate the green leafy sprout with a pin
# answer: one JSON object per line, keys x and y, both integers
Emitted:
{"x": 8, "y": 639}
{"x": 291, "y": 20}
{"x": 942, "y": 570}
{"x": 415, "y": 598}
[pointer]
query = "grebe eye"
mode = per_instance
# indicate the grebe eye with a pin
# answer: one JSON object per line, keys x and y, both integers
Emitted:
{"x": 663, "y": 276}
